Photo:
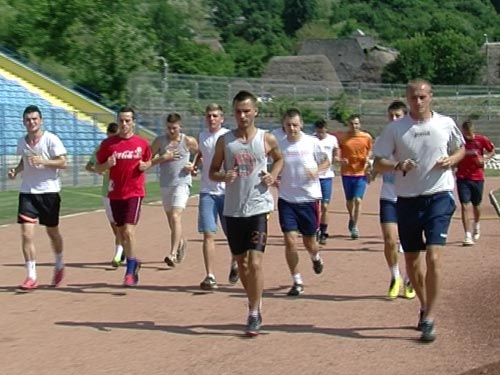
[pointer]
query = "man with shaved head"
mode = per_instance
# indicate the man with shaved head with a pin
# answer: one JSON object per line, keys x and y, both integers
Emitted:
{"x": 422, "y": 148}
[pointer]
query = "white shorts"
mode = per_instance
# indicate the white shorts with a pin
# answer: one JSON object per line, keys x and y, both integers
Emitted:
{"x": 107, "y": 209}
{"x": 175, "y": 196}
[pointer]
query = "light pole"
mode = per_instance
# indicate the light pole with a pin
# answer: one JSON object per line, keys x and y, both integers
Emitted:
{"x": 486, "y": 45}
{"x": 164, "y": 78}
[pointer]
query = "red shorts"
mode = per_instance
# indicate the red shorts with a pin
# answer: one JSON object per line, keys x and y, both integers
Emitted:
{"x": 126, "y": 211}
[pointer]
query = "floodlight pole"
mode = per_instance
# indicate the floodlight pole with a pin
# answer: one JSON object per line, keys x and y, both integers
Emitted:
{"x": 164, "y": 78}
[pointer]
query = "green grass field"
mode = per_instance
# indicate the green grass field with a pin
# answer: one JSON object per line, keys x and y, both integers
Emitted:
{"x": 76, "y": 199}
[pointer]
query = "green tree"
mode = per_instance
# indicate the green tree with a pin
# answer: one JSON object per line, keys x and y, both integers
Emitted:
{"x": 297, "y": 13}
{"x": 456, "y": 57}
{"x": 414, "y": 60}
{"x": 192, "y": 58}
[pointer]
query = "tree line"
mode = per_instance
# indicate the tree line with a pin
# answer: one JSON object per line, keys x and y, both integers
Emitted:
{"x": 98, "y": 44}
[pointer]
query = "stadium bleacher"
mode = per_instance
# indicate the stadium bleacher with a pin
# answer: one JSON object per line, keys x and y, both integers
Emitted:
{"x": 79, "y": 136}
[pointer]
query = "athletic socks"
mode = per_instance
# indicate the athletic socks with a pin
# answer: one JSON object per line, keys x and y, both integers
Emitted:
{"x": 59, "y": 261}
{"x": 395, "y": 272}
{"x": 297, "y": 279}
{"x": 31, "y": 269}
{"x": 131, "y": 263}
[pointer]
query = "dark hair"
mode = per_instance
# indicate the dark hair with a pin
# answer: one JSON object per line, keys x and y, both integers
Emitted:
{"x": 291, "y": 112}
{"x": 244, "y": 95}
{"x": 32, "y": 109}
{"x": 352, "y": 117}
{"x": 127, "y": 109}
{"x": 173, "y": 117}
{"x": 397, "y": 105}
{"x": 112, "y": 128}
{"x": 467, "y": 125}
{"x": 320, "y": 124}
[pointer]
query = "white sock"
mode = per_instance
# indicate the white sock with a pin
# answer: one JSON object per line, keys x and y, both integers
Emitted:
{"x": 395, "y": 271}
{"x": 118, "y": 251}
{"x": 59, "y": 261}
{"x": 315, "y": 256}
{"x": 211, "y": 275}
{"x": 468, "y": 235}
{"x": 31, "y": 268}
{"x": 297, "y": 279}
{"x": 476, "y": 226}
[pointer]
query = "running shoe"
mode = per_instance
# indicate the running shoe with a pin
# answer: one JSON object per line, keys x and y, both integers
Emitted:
{"x": 408, "y": 290}
{"x": 170, "y": 260}
{"x": 296, "y": 290}
{"x": 181, "y": 252}
{"x": 57, "y": 278}
{"x": 131, "y": 279}
{"x": 420, "y": 319}
{"x": 318, "y": 266}
{"x": 29, "y": 284}
{"x": 350, "y": 225}
{"x": 394, "y": 287}
{"x": 477, "y": 234}
{"x": 354, "y": 233}
{"x": 253, "y": 325}
{"x": 467, "y": 241}
{"x": 233, "y": 274}
{"x": 428, "y": 331}
{"x": 322, "y": 238}
{"x": 209, "y": 283}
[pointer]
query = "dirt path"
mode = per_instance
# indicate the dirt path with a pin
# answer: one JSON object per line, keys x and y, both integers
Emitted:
{"x": 342, "y": 324}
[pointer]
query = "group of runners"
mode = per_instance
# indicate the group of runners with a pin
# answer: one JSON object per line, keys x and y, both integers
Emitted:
{"x": 416, "y": 154}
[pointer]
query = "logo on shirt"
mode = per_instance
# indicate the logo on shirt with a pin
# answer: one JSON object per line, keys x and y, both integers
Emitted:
{"x": 422, "y": 134}
{"x": 245, "y": 163}
{"x": 129, "y": 154}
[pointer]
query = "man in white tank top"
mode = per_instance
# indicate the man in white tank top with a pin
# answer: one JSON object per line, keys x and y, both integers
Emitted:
{"x": 211, "y": 201}
{"x": 172, "y": 152}
{"x": 240, "y": 160}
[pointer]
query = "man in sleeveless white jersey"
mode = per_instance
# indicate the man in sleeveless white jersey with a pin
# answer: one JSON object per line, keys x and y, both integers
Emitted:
{"x": 211, "y": 204}
{"x": 240, "y": 160}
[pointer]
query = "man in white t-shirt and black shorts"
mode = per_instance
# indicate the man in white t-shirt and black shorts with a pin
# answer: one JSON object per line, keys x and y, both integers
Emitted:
{"x": 42, "y": 156}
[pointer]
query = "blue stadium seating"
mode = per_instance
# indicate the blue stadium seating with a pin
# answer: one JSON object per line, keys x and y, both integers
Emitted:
{"x": 79, "y": 137}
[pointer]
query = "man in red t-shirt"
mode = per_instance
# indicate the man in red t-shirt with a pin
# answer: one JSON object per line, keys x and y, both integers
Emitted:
{"x": 470, "y": 178}
{"x": 127, "y": 156}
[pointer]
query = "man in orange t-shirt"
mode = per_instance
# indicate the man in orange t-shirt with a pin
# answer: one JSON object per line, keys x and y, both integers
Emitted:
{"x": 355, "y": 148}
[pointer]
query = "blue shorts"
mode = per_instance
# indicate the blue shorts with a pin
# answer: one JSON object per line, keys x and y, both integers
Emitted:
{"x": 326, "y": 189}
{"x": 426, "y": 216}
{"x": 470, "y": 191}
{"x": 210, "y": 207}
{"x": 247, "y": 233}
{"x": 354, "y": 187}
{"x": 388, "y": 213}
{"x": 299, "y": 217}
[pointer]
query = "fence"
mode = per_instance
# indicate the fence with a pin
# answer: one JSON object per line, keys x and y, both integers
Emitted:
{"x": 154, "y": 95}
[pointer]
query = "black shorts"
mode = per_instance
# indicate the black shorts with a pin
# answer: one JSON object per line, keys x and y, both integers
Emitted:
{"x": 247, "y": 233}
{"x": 43, "y": 208}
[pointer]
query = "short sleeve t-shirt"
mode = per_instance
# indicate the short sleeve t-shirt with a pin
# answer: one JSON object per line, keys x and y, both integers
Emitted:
{"x": 469, "y": 167}
{"x": 40, "y": 179}
{"x": 425, "y": 142}
{"x": 328, "y": 145}
{"x": 125, "y": 179}
{"x": 356, "y": 149}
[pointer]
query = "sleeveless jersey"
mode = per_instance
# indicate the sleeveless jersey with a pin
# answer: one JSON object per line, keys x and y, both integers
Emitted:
{"x": 246, "y": 196}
